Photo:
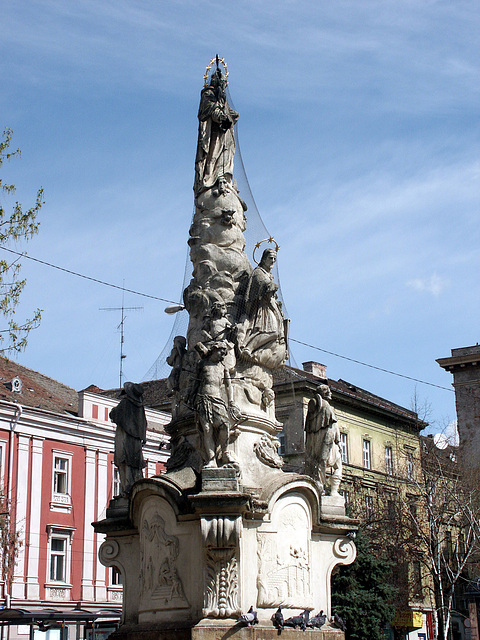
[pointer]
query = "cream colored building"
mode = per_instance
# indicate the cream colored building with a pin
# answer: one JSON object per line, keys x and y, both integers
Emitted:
{"x": 380, "y": 448}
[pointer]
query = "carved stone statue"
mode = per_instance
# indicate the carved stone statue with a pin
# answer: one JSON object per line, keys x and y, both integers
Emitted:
{"x": 175, "y": 360}
{"x": 214, "y": 406}
{"x": 216, "y": 139}
{"x": 225, "y": 529}
{"x": 130, "y": 435}
{"x": 322, "y": 438}
{"x": 228, "y": 303}
{"x": 264, "y": 330}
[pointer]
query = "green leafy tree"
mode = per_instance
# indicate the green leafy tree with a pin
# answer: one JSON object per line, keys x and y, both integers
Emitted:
{"x": 15, "y": 225}
{"x": 362, "y": 593}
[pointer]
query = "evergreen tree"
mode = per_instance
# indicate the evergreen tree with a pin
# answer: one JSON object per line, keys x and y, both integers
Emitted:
{"x": 362, "y": 593}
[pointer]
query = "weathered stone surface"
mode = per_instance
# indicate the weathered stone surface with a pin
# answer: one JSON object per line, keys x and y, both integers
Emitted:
{"x": 222, "y": 372}
{"x": 225, "y": 529}
{"x": 225, "y": 631}
{"x": 223, "y": 479}
{"x": 322, "y": 438}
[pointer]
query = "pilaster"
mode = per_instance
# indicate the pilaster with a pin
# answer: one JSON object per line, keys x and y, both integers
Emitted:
{"x": 33, "y": 587}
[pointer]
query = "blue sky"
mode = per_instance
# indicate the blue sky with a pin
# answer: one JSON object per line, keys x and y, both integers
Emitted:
{"x": 359, "y": 133}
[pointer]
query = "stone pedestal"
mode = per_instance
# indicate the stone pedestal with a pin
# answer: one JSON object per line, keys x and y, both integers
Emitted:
{"x": 196, "y": 552}
{"x": 223, "y": 632}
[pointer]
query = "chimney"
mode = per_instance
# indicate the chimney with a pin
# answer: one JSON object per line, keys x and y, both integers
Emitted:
{"x": 319, "y": 370}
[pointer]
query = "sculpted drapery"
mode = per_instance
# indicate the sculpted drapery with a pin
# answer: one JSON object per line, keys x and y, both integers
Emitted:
{"x": 216, "y": 137}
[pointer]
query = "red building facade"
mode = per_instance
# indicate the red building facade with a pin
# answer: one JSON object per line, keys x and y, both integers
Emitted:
{"x": 58, "y": 476}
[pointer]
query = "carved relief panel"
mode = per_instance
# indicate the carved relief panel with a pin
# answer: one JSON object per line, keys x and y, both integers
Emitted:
{"x": 160, "y": 572}
{"x": 284, "y": 556}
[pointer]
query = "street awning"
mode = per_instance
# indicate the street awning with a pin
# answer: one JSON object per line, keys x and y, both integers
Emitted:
{"x": 52, "y": 616}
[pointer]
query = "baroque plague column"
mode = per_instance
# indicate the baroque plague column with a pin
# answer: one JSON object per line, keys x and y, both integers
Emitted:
{"x": 225, "y": 528}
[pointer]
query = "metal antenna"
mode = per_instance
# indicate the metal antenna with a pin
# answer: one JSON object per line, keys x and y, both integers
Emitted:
{"x": 123, "y": 308}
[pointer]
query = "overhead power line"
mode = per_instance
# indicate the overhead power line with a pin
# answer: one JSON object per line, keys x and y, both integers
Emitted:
{"x": 393, "y": 373}
{"x": 80, "y": 275}
{"x": 147, "y": 295}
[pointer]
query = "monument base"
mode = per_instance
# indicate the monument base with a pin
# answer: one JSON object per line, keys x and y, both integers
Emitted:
{"x": 193, "y": 561}
{"x": 224, "y": 631}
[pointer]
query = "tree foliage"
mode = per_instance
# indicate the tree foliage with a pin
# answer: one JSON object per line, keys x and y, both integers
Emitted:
{"x": 10, "y": 543}
{"x": 362, "y": 593}
{"x": 446, "y": 525}
{"x": 16, "y": 224}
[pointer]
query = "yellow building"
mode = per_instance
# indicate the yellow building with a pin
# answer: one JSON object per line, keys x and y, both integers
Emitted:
{"x": 381, "y": 455}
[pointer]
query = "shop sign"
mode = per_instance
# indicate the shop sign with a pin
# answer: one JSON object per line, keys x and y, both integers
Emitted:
{"x": 412, "y": 619}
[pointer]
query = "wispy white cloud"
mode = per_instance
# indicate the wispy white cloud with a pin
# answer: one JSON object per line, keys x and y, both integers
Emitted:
{"x": 434, "y": 285}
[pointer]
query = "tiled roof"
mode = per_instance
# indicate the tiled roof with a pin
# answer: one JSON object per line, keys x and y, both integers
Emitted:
{"x": 37, "y": 390}
{"x": 92, "y": 388}
{"x": 346, "y": 389}
{"x": 154, "y": 394}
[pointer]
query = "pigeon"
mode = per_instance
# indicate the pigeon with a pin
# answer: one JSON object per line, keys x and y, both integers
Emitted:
{"x": 298, "y": 621}
{"x": 317, "y": 621}
{"x": 277, "y": 619}
{"x": 338, "y": 622}
{"x": 248, "y": 619}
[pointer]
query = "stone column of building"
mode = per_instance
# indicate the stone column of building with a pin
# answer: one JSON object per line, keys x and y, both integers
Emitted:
{"x": 23, "y": 467}
{"x": 33, "y": 587}
{"x": 464, "y": 364}
{"x": 90, "y": 551}
{"x": 102, "y": 496}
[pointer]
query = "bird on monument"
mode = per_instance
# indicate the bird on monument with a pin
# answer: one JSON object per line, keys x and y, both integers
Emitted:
{"x": 298, "y": 621}
{"x": 277, "y": 619}
{"x": 317, "y": 621}
{"x": 339, "y": 622}
{"x": 248, "y": 619}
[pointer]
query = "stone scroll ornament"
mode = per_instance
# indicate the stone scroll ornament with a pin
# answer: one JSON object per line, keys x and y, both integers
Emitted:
{"x": 223, "y": 370}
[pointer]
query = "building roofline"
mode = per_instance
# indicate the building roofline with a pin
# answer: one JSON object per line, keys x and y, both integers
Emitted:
{"x": 353, "y": 394}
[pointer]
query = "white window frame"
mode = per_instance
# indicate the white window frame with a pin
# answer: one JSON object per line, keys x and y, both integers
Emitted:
{"x": 62, "y": 501}
{"x": 367, "y": 454}
{"x": 3, "y": 448}
{"x": 369, "y": 507}
{"x": 66, "y": 535}
{"x": 345, "y": 493}
{"x": 344, "y": 446}
{"x": 116, "y": 578}
{"x": 116, "y": 484}
{"x": 410, "y": 465}
{"x": 389, "y": 460}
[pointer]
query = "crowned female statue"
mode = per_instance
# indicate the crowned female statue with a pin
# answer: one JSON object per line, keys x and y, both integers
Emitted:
{"x": 264, "y": 326}
{"x": 216, "y": 136}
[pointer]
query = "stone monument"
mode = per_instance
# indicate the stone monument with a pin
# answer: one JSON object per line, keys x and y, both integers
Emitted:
{"x": 225, "y": 529}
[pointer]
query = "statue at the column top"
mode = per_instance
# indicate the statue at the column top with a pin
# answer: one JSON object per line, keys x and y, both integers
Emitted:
{"x": 130, "y": 435}
{"x": 322, "y": 440}
{"x": 216, "y": 137}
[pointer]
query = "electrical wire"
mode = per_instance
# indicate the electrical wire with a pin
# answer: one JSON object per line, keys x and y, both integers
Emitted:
{"x": 146, "y": 295}
{"x": 80, "y": 275}
{"x": 393, "y": 373}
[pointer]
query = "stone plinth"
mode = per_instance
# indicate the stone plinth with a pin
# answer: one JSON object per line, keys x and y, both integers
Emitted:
{"x": 225, "y": 631}
{"x": 197, "y": 552}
